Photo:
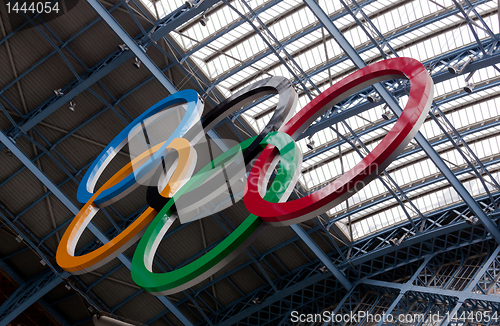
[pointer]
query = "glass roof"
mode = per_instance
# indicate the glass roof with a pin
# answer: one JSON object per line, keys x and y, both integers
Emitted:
{"x": 231, "y": 52}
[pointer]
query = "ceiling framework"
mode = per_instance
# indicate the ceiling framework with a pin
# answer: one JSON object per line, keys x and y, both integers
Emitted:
{"x": 380, "y": 251}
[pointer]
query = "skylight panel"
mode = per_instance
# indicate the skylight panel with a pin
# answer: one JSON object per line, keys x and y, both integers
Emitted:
{"x": 442, "y": 194}
{"x": 425, "y": 204}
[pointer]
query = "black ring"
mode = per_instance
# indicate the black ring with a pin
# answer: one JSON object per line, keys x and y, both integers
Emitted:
{"x": 284, "y": 110}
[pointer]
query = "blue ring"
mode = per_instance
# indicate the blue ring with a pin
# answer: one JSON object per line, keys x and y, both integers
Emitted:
{"x": 193, "y": 114}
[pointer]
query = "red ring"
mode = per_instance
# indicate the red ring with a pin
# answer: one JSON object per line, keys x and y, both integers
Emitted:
{"x": 413, "y": 116}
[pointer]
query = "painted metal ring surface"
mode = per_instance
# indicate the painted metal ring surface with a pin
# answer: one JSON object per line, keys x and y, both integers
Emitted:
{"x": 266, "y": 206}
{"x": 413, "y": 116}
{"x": 128, "y": 183}
{"x": 287, "y": 101}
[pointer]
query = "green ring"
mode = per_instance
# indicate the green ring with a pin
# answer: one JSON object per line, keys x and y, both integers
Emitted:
{"x": 196, "y": 271}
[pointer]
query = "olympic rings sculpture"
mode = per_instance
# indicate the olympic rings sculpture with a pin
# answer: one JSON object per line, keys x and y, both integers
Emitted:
{"x": 274, "y": 145}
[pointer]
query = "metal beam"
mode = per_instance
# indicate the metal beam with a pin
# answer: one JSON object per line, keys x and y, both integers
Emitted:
{"x": 322, "y": 256}
{"x": 274, "y": 298}
{"x": 402, "y": 31}
{"x": 473, "y": 284}
{"x": 408, "y": 28}
{"x": 39, "y": 174}
{"x": 15, "y": 305}
{"x": 394, "y": 106}
{"x": 444, "y": 124}
{"x": 155, "y": 34}
{"x": 307, "y": 240}
{"x": 440, "y": 73}
{"x": 453, "y": 237}
{"x": 279, "y": 301}
{"x": 436, "y": 140}
{"x": 74, "y": 210}
{"x": 454, "y": 298}
{"x": 437, "y": 77}
{"x": 400, "y": 295}
{"x": 373, "y": 252}
{"x": 165, "y": 26}
{"x": 369, "y": 204}
{"x": 55, "y": 102}
{"x": 460, "y": 295}
{"x": 23, "y": 285}
{"x": 139, "y": 51}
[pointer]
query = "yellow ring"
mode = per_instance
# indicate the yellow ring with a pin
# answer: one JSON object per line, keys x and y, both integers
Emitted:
{"x": 90, "y": 261}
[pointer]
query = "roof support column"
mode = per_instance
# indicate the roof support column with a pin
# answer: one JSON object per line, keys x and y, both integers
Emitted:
{"x": 393, "y": 104}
